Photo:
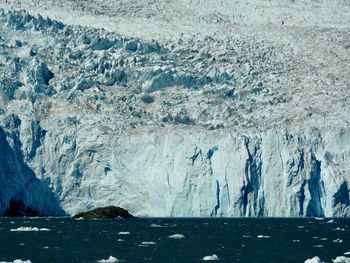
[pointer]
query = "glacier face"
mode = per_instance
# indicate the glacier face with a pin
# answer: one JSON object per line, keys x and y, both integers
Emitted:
{"x": 89, "y": 118}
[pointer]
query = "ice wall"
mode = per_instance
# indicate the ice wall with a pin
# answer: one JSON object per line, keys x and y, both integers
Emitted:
{"x": 178, "y": 172}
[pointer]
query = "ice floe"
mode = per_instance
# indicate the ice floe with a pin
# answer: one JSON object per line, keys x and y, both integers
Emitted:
{"x": 338, "y": 240}
{"x": 111, "y": 259}
{"x": 28, "y": 229}
{"x": 17, "y": 261}
{"x": 341, "y": 259}
{"x": 124, "y": 233}
{"x": 212, "y": 257}
{"x": 177, "y": 236}
{"x": 148, "y": 243}
{"x": 313, "y": 260}
{"x": 262, "y": 236}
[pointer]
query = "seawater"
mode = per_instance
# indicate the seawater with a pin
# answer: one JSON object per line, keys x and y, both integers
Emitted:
{"x": 147, "y": 239}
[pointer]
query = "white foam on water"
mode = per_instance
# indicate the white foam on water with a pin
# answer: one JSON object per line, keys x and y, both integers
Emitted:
{"x": 177, "y": 236}
{"x": 324, "y": 239}
{"x": 120, "y": 240}
{"x": 339, "y": 229}
{"x": 296, "y": 241}
{"x": 262, "y": 236}
{"x": 341, "y": 259}
{"x": 28, "y": 229}
{"x": 46, "y": 247}
{"x": 111, "y": 259}
{"x": 319, "y": 218}
{"x": 212, "y": 257}
{"x": 246, "y": 236}
{"x": 148, "y": 243}
{"x": 124, "y": 233}
{"x": 300, "y": 226}
{"x": 313, "y": 260}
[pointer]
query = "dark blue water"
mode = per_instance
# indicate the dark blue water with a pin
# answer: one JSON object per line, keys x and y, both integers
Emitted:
{"x": 232, "y": 240}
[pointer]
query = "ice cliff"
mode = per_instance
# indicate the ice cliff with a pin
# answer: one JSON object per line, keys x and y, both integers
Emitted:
{"x": 202, "y": 127}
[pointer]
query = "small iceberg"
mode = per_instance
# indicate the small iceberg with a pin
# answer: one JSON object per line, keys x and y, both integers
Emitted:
{"x": 341, "y": 259}
{"x": 111, "y": 259}
{"x": 28, "y": 229}
{"x": 212, "y": 257}
{"x": 177, "y": 236}
{"x": 313, "y": 260}
{"x": 330, "y": 221}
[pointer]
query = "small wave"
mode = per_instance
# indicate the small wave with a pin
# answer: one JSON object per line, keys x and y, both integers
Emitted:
{"x": 111, "y": 259}
{"x": 28, "y": 229}
{"x": 212, "y": 257}
{"x": 177, "y": 236}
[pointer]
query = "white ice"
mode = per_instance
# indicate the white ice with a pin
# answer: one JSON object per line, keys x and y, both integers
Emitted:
{"x": 213, "y": 257}
{"x": 177, "y": 236}
{"x": 111, "y": 259}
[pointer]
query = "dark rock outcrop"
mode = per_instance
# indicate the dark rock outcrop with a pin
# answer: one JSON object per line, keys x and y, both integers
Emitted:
{"x": 105, "y": 213}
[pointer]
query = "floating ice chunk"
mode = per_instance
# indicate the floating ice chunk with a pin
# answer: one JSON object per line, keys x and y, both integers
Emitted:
{"x": 341, "y": 259}
{"x": 17, "y": 261}
{"x": 148, "y": 243}
{"x": 111, "y": 259}
{"x": 120, "y": 240}
{"x": 296, "y": 241}
{"x": 213, "y": 257}
{"x": 28, "y": 229}
{"x": 262, "y": 236}
{"x": 318, "y": 246}
{"x": 324, "y": 239}
{"x": 330, "y": 221}
{"x": 339, "y": 229}
{"x": 347, "y": 253}
{"x": 177, "y": 236}
{"x": 319, "y": 218}
{"x": 300, "y": 226}
{"x": 313, "y": 260}
{"x": 46, "y": 247}
{"x": 124, "y": 233}
{"x": 156, "y": 225}
{"x": 338, "y": 240}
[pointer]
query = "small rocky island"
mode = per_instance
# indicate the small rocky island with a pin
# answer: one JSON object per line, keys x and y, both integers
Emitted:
{"x": 104, "y": 213}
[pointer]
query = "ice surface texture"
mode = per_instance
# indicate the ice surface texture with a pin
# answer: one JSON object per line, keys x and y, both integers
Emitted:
{"x": 203, "y": 127}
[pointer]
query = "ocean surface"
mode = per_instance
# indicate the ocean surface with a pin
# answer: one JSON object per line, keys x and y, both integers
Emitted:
{"x": 51, "y": 240}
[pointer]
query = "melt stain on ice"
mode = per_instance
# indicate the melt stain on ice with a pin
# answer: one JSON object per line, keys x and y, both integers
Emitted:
{"x": 111, "y": 259}
{"x": 28, "y": 229}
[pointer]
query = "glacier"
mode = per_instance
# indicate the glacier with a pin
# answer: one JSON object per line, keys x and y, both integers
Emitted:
{"x": 90, "y": 118}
